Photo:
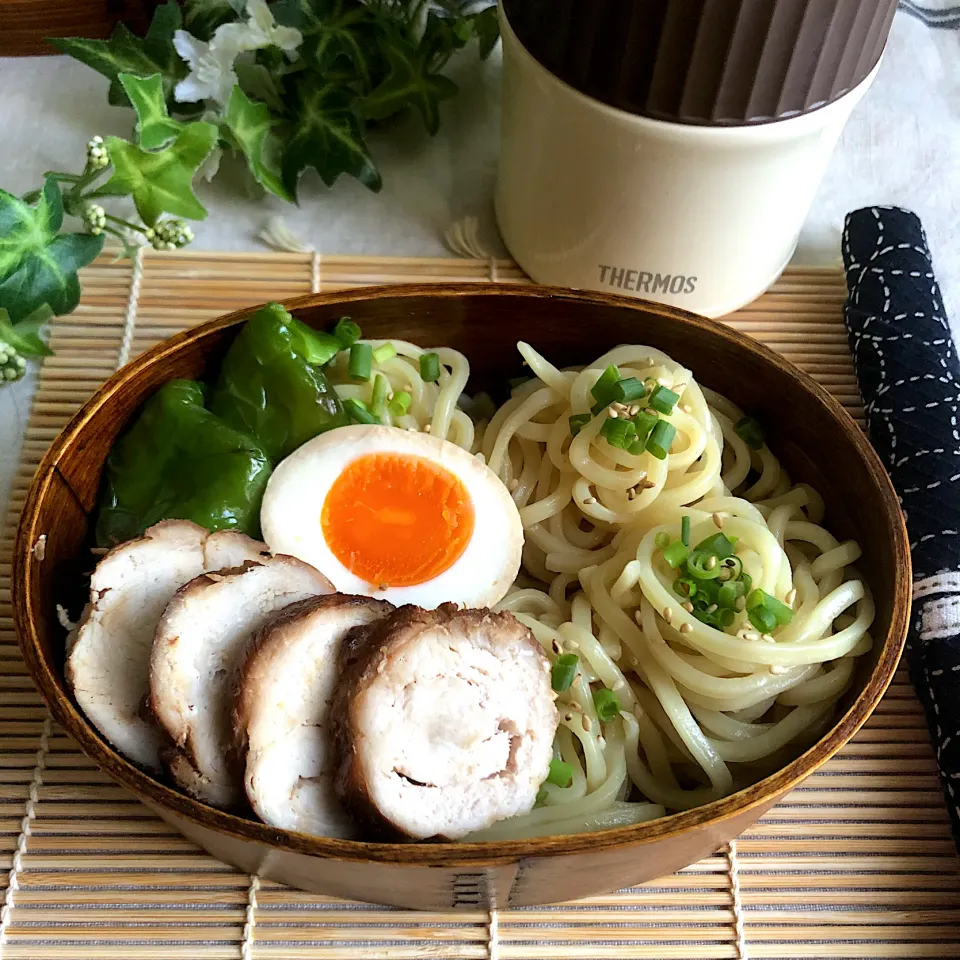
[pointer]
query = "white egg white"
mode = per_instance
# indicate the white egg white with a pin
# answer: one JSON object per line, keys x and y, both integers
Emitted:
{"x": 295, "y": 494}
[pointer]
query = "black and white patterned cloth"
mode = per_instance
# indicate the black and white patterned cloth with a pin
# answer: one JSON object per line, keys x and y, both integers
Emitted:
{"x": 909, "y": 375}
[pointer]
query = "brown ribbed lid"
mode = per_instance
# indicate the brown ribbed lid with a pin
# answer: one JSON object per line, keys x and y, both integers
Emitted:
{"x": 707, "y": 61}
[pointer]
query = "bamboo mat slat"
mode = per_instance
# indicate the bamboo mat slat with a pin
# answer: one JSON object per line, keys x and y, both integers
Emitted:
{"x": 858, "y": 862}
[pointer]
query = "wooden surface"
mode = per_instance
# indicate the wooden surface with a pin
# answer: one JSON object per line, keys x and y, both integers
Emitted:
{"x": 25, "y": 24}
{"x": 856, "y": 862}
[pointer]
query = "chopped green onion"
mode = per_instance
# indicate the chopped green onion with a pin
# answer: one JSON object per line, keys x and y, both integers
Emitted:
{"x": 661, "y": 439}
{"x": 644, "y": 422}
{"x": 347, "y": 332}
{"x": 319, "y": 347}
{"x": 618, "y": 433}
{"x": 400, "y": 403}
{"x": 730, "y": 593}
{"x": 685, "y": 530}
{"x": 676, "y": 554}
{"x": 358, "y": 411}
{"x": 564, "y": 670}
{"x": 760, "y": 599}
{"x": 385, "y": 352}
{"x": 378, "y": 399}
{"x": 726, "y": 617}
{"x": 703, "y": 565}
{"x": 750, "y": 432}
{"x": 430, "y": 367}
{"x": 578, "y": 421}
{"x": 661, "y": 540}
{"x": 361, "y": 361}
{"x": 628, "y": 390}
{"x": 607, "y": 704}
{"x": 685, "y": 587}
{"x": 732, "y": 569}
{"x": 605, "y": 389}
{"x": 719, "y": 544}
{"x": 561, "y": 773}
{"x": 763, "y": 619}
{"x": 663, "y": 399}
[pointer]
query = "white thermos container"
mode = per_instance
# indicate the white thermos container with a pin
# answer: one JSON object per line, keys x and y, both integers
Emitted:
{"x": 671, "y": 149}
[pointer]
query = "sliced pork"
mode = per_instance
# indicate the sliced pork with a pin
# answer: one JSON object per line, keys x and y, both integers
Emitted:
{"x": 282, "y": 712}
{"x": 444, "y": 721}
{"x": 109, "y": 650}
{"x": 199, "y": 648}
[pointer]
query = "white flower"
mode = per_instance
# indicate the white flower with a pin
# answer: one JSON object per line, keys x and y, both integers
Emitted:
{"x": 212, "y": 76}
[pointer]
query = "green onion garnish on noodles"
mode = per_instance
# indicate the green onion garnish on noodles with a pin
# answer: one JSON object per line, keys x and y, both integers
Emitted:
{"x": 718, "y": 544}
{"x": 383, "y": 353}
{"x": 430, "y": 367}
{"x": 378, "y": 399}
{"x": 618, "y": 433}
{"x": 663, "y": 399}
{"x": 685, "y": 530}
{"x": 764, "y": 607}
{"x": 564, "y": 670}
{"x": 607, "y": 704}
{"x": 676, "y": 553}
{"x": 605, "y": 389}
{"x": 750, "y": 432}
{"x": 660, "y": 439}
{"x": 644, "y": 422}
{"x": 358, "y": 411}
{"x": 361, "y": 361}
{"x": 347, "y": 332}
{"x": 628, "y": 390}
{"x": 731, "y": 569}
{"x": 661, "y": 540}
{"x": 730, "y": 592}
{"x": 685, "y": 587}
{"x": 578, "y": 421}
{"x": 561, "y": 773}
{"x": 703, "y": 565}
{"x": 400, "y": 403}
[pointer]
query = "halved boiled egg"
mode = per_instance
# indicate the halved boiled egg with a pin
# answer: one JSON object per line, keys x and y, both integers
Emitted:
{"x": 395, "y": 514}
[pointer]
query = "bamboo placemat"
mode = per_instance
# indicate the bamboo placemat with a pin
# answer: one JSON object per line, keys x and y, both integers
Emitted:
{"x": 858, "y": 862}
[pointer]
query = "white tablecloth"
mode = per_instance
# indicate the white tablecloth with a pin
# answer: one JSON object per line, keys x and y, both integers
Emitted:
{"x": 901, "y": 146}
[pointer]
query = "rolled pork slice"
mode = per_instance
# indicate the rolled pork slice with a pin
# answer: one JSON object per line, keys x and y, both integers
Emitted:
{"x": 199, "y": 649}
{"x": 109, "y": 650}
{"x": 444, "y": 721}
{"x": 281, "y": 716}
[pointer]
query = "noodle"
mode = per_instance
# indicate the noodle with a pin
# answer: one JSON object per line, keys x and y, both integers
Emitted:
{"x": 702, "y": 707}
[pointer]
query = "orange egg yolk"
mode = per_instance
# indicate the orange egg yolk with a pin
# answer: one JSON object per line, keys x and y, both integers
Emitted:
{"x": 396, "y": 519}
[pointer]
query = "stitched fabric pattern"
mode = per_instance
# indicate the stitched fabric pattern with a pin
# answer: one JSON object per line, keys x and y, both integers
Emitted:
{"x": 909, "y": 376}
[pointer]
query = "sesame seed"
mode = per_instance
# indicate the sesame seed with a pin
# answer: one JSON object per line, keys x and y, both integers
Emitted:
{"x": 513, "y": 484}
{"x": 426, "y": 429}
{"x": 667, "y": 614}
{"x": 767, "y": 638}
{"x": 631, "y": 494}
{"x": 568, "y": 717}
{"x": 587, "y": 723}
{"x": 557, "y": 649}
{"x": 646, "y": 484}
{"x": 620, "y": 684}
{"x": 686, "y": 628}
{"x": 638, "y": 616}
{"x": 718, "y": 520}
{"x": 589, "y": 501}
{"x": 688, "y": 606}
{"x": 576, "y": 707}
{"x": 613, "y": 414}
{"x": 750, "y": 635}
{"x": 790, "y": 598}
{"x": 712, "y": 562}
{"x": 777, "y": 669}
{"x": 686, "y": 408}
{"x": 712, "y": 608}
{"x": 634, "y": 410}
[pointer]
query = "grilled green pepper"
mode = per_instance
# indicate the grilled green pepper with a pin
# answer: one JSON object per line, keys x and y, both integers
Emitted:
{"x": 180, "y": 461}
{"x": 271, "y": 385}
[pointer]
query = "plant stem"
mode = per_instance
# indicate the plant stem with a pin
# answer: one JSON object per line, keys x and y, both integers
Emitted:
{"x": 57, "y": 175}
{"x": 137, "y": 228}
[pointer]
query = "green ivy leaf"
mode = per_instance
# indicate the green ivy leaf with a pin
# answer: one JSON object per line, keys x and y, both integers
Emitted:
{"x": 202, "y": 17}
{"x": 486, "y": 28}
{"x": 161, "y": 182}
{"x": 125, "y": 52}
{"x": 328, "y": 136}
{"x": 409, "y": 83}
{"x": 24, "y": 336}
{"x": 250, "y": 123}
{"x": 155, "y": 127}
{"x": 38, "y": 265}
